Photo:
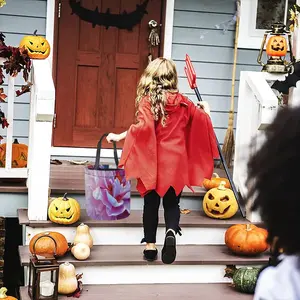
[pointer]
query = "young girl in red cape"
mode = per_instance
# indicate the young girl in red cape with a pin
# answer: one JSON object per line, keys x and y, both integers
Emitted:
{"x": 171, "y": 146}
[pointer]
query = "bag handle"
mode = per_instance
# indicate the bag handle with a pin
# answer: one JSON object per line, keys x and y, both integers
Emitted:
{"x": 99, "y": 146}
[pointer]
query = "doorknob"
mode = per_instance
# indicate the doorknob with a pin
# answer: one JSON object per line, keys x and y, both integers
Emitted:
{"x": 153, "y": 38}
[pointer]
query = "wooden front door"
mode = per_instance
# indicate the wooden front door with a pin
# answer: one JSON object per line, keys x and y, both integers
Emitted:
{"x": 98, "y": 70}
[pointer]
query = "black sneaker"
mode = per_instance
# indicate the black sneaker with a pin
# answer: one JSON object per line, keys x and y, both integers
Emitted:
{"x": 150, "y": 254}
{"x": 169, "y": 250}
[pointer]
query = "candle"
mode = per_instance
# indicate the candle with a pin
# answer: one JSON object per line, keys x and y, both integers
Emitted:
{"x": 46, "y": 288}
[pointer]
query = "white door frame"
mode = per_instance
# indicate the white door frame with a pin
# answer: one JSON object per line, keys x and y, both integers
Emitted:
{"x": 167, "y": 53}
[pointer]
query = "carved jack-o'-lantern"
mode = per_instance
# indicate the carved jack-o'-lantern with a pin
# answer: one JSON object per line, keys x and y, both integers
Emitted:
{"x": 64, "y": 210}
{"x": 276, "y": 46}
{"x": 220, "y": 203}
{"x": 37, "y": 46}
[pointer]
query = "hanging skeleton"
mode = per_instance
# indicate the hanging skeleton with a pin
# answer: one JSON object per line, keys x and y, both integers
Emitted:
{"x": 153, "y": 38}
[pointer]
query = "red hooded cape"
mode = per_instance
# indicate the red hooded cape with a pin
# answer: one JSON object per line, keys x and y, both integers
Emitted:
{"x": 180, "y": 154}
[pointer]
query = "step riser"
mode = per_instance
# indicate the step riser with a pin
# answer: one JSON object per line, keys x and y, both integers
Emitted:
{"x": 150, "y": 274}
{"x": 133, "y": 235}
{"x": 192, "y": 203}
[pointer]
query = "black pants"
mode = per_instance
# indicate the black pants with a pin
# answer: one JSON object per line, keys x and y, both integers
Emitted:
{"x": 150, "y": 214}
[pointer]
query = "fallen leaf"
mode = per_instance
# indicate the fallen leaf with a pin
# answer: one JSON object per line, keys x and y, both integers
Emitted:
{"x": 185, "y": 211}
{"x": 2, "y": 95}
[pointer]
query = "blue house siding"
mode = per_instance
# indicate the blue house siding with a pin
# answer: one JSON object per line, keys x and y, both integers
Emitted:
{"x": 19, "y": 18}
{"x": 212, "y": 55}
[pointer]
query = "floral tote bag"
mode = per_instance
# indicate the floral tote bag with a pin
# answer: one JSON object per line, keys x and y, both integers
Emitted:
{"x": 107, "y": 192}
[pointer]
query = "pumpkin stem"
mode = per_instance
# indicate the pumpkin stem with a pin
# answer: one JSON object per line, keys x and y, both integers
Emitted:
{"x": 65, "y": 197}
{"x": 16, "y": 141}
{"x": 248, "y": 227}
{"x": 230, "y": 270}
{"x": 215, "y": 175}
{"x": 222, "y": 186}
{"x": 3, "y": 292}
{"x": 35, "y": 32}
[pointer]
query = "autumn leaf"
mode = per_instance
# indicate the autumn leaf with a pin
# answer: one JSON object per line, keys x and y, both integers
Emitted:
{"x": 2, "y": 95}
{"x": 24, "y": 89}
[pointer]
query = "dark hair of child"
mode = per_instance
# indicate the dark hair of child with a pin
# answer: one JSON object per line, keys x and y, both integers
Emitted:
{"x": 274, "y": 180}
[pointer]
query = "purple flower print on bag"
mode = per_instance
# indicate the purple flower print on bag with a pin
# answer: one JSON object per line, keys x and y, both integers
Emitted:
{"x": 107, "y": 194}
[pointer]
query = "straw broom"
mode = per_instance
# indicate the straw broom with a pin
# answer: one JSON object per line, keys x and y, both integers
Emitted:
{"x": 228, "y": 146}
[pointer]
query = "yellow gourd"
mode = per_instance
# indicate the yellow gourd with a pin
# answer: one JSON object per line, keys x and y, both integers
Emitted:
{"x": 83, "y": 235}
{"x": 67, "y": 281}
{"x": 81, "y": 251}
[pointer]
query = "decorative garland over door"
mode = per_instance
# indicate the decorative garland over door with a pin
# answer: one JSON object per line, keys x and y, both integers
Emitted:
{"x": 121, "y": 21}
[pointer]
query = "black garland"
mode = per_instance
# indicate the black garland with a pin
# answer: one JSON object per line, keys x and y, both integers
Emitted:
{"x": 121, "y": 21}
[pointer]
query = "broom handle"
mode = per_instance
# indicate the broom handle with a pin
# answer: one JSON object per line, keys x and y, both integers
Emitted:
{"x": 225, "y": 165}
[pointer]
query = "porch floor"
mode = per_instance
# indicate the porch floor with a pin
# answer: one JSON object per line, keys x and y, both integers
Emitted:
{"x": 69, "y": 178}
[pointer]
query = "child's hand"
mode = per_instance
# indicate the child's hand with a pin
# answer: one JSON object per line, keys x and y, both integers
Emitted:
{"x": 204, "y": 105}
{"x": 112, "y": 137}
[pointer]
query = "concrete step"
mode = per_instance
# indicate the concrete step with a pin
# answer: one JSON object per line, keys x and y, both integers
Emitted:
{"x": 125, "y": 264}
{"x": 197, "y": 229}
{"x": 157, "y": 291}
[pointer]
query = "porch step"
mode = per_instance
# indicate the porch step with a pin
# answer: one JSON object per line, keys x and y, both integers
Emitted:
{"x": 157, "y": 291}
{"x": 132, "y": 255}
{"x": 197, "y": 229}
{"x": 125, "y": 265}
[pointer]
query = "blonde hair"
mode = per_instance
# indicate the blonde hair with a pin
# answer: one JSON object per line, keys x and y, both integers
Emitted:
{"x": 159, "y": 77}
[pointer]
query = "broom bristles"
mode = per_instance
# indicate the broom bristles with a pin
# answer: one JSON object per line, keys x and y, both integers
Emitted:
{"x": 228, "y": 147}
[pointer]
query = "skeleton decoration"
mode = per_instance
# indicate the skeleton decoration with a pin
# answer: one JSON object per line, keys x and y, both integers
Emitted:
{"x": 153, "y": 38}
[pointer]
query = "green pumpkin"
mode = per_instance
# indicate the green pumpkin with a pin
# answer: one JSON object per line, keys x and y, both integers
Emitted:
{"x": 244, "y": 279}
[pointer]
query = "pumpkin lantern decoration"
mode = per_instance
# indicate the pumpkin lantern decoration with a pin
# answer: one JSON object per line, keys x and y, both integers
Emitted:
{"x": 37, "y": 46}
{"x": 64, "y": 210}
{"x": 246, "y": 239}
{"x": 220, "y": 203}
{"x": 215, "y": 182}
{"x": 276, "y": 50}
{"x": 19, "y": 155}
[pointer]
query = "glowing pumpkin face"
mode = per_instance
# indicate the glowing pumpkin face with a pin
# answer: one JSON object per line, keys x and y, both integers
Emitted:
{"x": 37, "y": 46}
{"x": 276, "y": 46}
{"x": 64, "y": 210}
{"x": 220, "y": 203}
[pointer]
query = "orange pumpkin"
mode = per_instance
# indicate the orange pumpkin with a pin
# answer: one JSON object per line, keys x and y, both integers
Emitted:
{"x": 19, "y": 155}
{"x": 45, "y": 245}
{"x": 276, "y": 46}
{"x": 246, "y": 239}
{"x": 214, "y": 182}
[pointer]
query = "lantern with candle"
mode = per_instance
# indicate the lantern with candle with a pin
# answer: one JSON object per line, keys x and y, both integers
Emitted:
{"x": 43, "y": 275}
{"x": 276, "y": 50}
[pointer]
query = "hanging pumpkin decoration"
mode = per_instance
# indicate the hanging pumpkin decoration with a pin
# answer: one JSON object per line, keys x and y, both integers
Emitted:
{"x": 19, "y": 155}
{"x": 244, "y": 279}
{"x": 37, "y": 46}
{"x": 220, "y": 203}
{"x": 42, "y": 244}
{"x": 276, "y": 46}
{"x": 246, "y": 239}
{"x": 215, "y": 182}
{"x": 64, "y": 210}
{"x": 3, "y": 295}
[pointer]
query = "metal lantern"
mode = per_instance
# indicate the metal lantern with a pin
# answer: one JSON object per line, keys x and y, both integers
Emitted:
{"x": 43, "y": 276}
{"x": 276, "y": 50}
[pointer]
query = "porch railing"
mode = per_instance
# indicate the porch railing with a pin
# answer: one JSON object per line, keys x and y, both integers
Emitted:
{"x": 257, "y": 107}
{"x": 40, "y": 135}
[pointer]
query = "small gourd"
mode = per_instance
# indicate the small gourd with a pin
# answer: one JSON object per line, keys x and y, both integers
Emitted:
{"x": 83, "y": 235}
{"x": 81, "y": 251}
{"x": 67, "y": 281}
{"x": 244, "y": 279}
{"x": 3, "y": 295}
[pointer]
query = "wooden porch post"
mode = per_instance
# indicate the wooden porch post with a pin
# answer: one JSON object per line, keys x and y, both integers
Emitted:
{"x": 40, "y": 139}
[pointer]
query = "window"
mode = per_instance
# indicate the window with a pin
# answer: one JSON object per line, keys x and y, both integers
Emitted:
{"x": 257, "y": 16}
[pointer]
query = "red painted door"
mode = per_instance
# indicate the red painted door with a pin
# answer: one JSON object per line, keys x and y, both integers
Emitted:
{"x": 97, "y": 72}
